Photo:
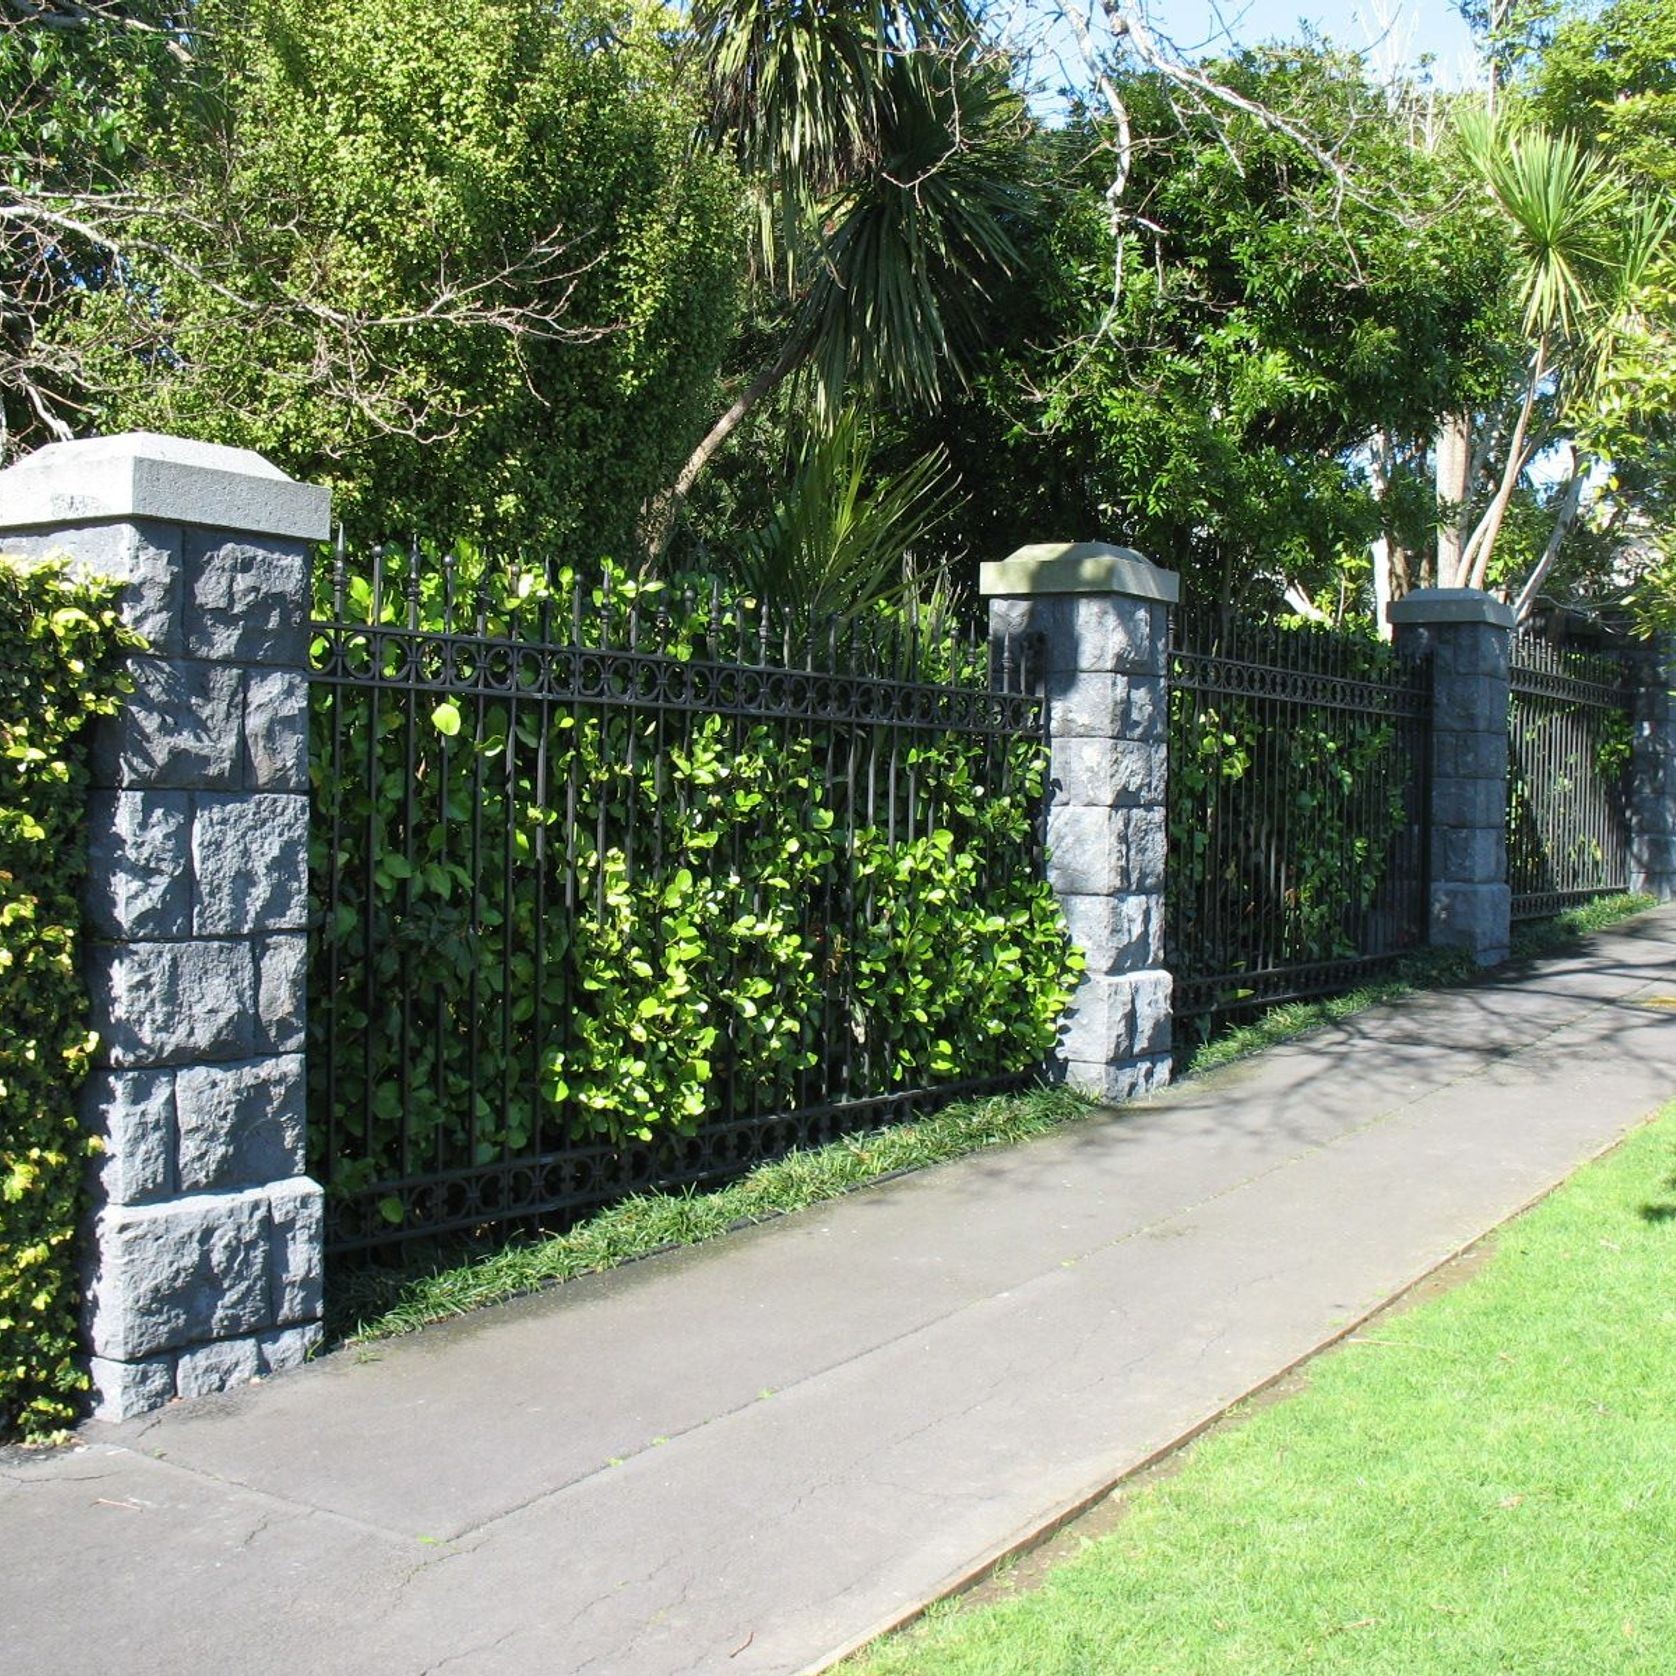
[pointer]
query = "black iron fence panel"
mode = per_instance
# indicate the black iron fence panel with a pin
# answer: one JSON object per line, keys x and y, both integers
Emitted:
{"x": 1297, "y": 832}
{"x": 1569, "y": 739}
{"x": 618, "y": 888}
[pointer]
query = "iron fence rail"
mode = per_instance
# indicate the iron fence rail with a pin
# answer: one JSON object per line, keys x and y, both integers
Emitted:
{"x": 517, "y": 800}
{"x": 1297, "y": 858}
{"x": 1569, "y": 741}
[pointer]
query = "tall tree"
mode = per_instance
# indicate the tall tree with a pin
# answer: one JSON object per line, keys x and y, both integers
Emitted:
{"x": 1215, "y": 395}
{"x": 883, "y": 148}
{"x": 1586, "y": 251}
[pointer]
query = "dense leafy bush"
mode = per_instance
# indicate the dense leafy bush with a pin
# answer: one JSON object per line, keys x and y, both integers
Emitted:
{"x": 598, "y": 923}
{"x": 460, "y": 262}
{"x": 60, "y": 649}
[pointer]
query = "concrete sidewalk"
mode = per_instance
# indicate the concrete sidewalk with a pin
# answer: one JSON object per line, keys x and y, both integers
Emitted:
{"x": 748, "y": 1456}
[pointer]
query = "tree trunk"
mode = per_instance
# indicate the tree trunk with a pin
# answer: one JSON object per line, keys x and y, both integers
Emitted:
{"x": 1570, "y": 503}
{"x": 1452, "y": 475}
{"x": 658, "y": 519}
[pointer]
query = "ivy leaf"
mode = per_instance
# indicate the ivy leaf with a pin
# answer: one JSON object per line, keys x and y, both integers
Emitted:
{"x": 446, "y": 719}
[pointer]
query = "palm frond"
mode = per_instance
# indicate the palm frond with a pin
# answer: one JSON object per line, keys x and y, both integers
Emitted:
{"x": 841, "y": 537}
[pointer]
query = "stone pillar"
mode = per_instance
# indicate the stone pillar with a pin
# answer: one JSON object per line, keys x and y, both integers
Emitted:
{"x": 1467, "y": 634}
{"x": 204, "y": 1256}
{"x": 1103, "y": 617}
{"x": 1652, "y": 774}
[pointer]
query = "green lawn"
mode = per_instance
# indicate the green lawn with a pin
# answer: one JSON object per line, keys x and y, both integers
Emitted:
{"x": 1484, "y": 1484}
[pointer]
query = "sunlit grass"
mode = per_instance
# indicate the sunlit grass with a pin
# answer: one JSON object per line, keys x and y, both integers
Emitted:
{"x": 1483, "y": 1485}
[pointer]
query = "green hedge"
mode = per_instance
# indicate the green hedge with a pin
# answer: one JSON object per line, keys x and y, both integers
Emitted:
{"x": 694, "y": 976}
{"x": 61, "y": 662}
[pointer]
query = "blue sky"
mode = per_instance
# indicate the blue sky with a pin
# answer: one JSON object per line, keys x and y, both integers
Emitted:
{"x": 1417, "y": 26}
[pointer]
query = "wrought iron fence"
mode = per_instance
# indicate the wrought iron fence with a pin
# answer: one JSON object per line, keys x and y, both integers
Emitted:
{"x": 1569, "y": 742}
{"x": 607, "y": 884}
{"x": 1297, "y": 862}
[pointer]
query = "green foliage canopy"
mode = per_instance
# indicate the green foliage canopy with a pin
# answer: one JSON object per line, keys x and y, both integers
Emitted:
{"x": 458, "y": 261}
{"x": 1273, "y": 317}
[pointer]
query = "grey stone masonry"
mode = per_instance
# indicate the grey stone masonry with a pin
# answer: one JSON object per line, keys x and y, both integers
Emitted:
{"x": 1652, "y": 786}
{"x": 205, "y": 1243}
{"x": 1466, "y": 634}
{"x": 1102, "y": 615}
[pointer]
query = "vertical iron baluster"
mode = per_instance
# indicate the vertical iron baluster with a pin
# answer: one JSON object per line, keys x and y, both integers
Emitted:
{"x": 410, "y": 743}
{"x": 369, "y": 887}
{"x": 473, "y": 869}
{"x": 534, "y": 1143}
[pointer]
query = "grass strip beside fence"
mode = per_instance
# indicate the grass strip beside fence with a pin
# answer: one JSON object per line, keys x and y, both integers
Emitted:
{"x": 370, "y": 1304}
{"x": 1486, "y": 1482}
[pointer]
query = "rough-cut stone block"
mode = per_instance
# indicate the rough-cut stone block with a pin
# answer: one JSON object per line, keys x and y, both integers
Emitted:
{"x": 1473, "y": 649}
{"x": 1152, "y": 993}
{"x": 1477, "y": 918}
{"x": 1471, "y": 856}
{"x": 1096, "y": 852}
{"x": 1468, "y": 803}
{"x": 1117, "y": 1017}
{"x": 1472, "y": 756}
{"x": 246, "y": 602}
{"x": 172, "y": 1003}
{"x": 139, "y": 875}
{"x": 123, "y": 1389}
{"x": 143, "y": 555}
{"x": 290, "y": 1347}
{"x": 1108, "y": 773}
{"x": 1116, "y": 933}
{"x": 181, "y": 728}
{"x": 1099, "y": 1026}
{"x": 297, "y": 1217}
{"x": 276, "y": 730}
{"x": 1147, "y": 845}
{"x": 281, "y": 993}
{"x": 133, "y": 1115}
{"x": 1467, "y": 703}
{"x": 184, "y": 1272}
{"x": 1086, "y": 706}
{"x": 1115, "y": 633}
{"x": 1051, "y": 618}
{"x": 1088, "y": 851}
{"x": 207, "y": 1368}
{"x": 240, "y": 1125}
{"x": 1113, "y": 1084}
{"x": 250, "y": 863}
{"x": 1146, "y": 708}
